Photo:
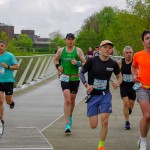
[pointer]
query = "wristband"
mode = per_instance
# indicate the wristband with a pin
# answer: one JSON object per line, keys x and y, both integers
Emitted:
{"x": 57, "y": 65}
{"x": 8, "y": 67}
{"x": 79, "y": 64}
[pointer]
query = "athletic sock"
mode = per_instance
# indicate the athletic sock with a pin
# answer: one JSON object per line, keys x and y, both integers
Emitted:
{"x": 143, "y": 140}
{"x": 101, "y": 144}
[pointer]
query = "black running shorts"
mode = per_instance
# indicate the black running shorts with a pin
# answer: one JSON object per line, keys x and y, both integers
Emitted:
{"x": 7, "y": 87}
{"x": 127, "y": 91}
{"x": 73, "y": 86}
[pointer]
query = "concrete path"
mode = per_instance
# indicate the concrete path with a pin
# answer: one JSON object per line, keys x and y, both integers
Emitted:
{"x": 35, "y": 108}
{"x": 37, "y": 122}
{"x": 85, "y": 138}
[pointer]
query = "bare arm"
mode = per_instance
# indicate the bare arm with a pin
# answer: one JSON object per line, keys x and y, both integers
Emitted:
{"x": 81, "y": 55}
{"x": 134, "y": 71}
{"x": 13, "y": 67}
{"x": 119, "y": 64}
{"x": 56, "y": 60}
{"x": 118, "y": 82}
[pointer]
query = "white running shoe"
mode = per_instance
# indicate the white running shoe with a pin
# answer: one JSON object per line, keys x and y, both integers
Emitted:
{"x": 141, "y": 145}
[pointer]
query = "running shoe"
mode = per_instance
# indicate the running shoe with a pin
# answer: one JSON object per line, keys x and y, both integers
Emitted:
{"x": 1, "y": 128}
{"x": 101, "y": 148}
{"x": 142, "y": 146}
{"x": 70, "y": 119}
{"x": 130, "y": 111}
{"x": 127, "y": 125}
{"x": 12, "y": 105}
{"x": 67, "y": 128}
{"x": 3, "y": 122}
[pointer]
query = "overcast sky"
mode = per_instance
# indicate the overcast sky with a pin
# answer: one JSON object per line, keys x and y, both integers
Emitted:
{"x": 46, "y": 16}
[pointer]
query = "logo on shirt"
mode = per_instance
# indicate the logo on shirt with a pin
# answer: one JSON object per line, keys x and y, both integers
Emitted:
{"x": 109, "y": 69}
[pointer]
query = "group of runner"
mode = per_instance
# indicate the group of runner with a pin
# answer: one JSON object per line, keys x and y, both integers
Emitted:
{"x": 132, "y": 77}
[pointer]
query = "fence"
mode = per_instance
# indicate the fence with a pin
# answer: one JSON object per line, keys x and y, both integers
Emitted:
{"x": 33, "y": 69}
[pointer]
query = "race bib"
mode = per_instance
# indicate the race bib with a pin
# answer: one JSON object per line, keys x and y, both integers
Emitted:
{"x": 127, "y": 78}
{"x": 136, "y": 86}
{"x": 100, "y": 84}
{"x": 2, "y": 70}
{"x": 64, "y": 78}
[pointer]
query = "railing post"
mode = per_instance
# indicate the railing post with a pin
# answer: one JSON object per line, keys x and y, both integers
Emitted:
{"x": 24, "y": 74}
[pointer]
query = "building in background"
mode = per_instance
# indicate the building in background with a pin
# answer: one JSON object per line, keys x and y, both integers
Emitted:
{"x": 9, "y": 30}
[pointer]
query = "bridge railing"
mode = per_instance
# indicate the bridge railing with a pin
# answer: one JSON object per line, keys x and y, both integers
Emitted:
{"x": 33, "y": 69}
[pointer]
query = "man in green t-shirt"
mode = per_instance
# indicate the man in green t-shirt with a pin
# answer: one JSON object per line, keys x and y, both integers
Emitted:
{"x": 8, "y": 63}
{"x": 71, "y": 59}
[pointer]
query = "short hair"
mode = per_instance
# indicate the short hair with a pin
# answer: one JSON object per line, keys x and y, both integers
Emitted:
{"x": 3, "y": 42}
{"x": 127, "y": 47}
{"x": 145, "y": 33}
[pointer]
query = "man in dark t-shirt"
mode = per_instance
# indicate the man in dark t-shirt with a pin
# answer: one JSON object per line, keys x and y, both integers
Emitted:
{"x": 99, "y": 71}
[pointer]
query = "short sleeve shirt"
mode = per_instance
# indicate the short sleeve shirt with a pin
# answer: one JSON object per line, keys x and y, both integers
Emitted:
{"x": 6, "y": 75}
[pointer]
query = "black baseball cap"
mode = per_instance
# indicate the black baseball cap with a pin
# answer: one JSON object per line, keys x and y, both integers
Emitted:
{"x": 70, "y": 35}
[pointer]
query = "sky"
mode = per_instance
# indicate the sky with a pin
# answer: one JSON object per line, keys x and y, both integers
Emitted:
{"x": 47, "y": 16}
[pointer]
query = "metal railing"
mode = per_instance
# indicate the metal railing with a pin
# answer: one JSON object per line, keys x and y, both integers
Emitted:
{"x": 33, "y": 70}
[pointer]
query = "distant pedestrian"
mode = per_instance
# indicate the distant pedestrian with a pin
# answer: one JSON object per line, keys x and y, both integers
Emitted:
{"x": 99, "y": 71}
{"x": 97, "y": 51}
{"x": 8, "y": 64}
{"x": 126, "y": 91}
{"x": 89, "y": 53}
{"x": 141, "y": 75}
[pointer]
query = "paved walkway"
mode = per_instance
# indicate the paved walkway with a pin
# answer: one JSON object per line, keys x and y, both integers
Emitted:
{"x": 37, "y": 122}
{"x": 85, "y": 138}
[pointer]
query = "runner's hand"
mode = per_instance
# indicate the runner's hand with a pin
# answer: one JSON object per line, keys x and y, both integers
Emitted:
{"x": 135, "y": 79}
{"x": 60, "y": 69}
{"x": 89, "y": 88}
{"x": 73, "y": 61}
{"x": 4, "y": 65}
{"x": 115, "y": 85}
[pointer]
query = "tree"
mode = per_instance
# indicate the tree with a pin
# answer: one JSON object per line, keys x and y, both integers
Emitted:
{"x": 4, "y": 37}
{"x": 57, "y": 41}
{"x": 24, "y": 42}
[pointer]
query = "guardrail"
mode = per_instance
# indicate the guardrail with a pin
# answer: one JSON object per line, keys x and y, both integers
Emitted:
{"x": 33, "y": 70}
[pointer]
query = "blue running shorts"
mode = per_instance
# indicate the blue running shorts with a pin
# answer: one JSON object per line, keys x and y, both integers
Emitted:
{"x": 99, "y": 104}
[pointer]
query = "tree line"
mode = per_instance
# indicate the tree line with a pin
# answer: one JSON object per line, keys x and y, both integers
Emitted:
{"x": 122, "y": 27}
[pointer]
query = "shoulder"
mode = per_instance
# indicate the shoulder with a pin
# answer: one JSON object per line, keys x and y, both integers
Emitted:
{"x": 78, "y": 49}
{"x": 112, "y": 61}
{"x": 79, "y": 52}
{"x": 60, "y": 50}
{"x": 9, "y": 54}
{"x": 139, "y": 53}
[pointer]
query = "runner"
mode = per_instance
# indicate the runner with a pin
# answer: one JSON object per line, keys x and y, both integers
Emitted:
{"x": 99, "y": 72}
{"x": 72, "y": 58}
{"x": 126, "y": 91}
{"x": 141, "y": 74}
{"x": 8, "y": 63}
{"x": 96, "y": 52}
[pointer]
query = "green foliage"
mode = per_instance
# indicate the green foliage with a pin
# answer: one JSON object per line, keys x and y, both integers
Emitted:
{"x": 57, "y": 41}
{"x": 4, "y": 37}
{"x": 21, "y": 45}
{"x": 24, "y": 42}
{"x": 122, "y": 27}
{"x": 87, "y": 39}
